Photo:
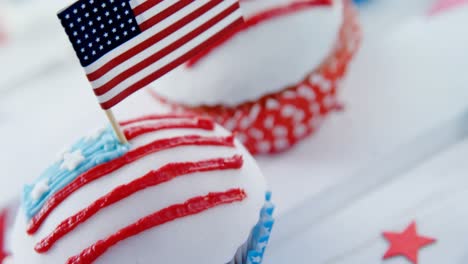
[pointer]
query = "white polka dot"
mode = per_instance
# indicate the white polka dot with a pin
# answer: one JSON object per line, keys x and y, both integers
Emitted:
{"x": 315, "y": 109}
{"x": 254, "y": 112}
{"x": 288, "y": 111}
{"x": 241, "y": 137}
{"x": 300, "y": 131}
{"x": 245, "y": 123}
{"x": 329, "y": 101}
{"x": 263, "y": 147}
{"x": 269, "y": 122}
{"x": 306, "y": 92}
{"x": 299, "y": 115}
{"x": 256, "y": 133}
{"x": 238, "y": 115}
{"x": 230, "y": 124}
{"x": 272, "y": 104}
{"x": 280, "y": 131}
{"x": 316, "y": 79}
{"x": 281, "y": 144}
{"x": 325, "y": 86}
{"x": 288, "y": 95}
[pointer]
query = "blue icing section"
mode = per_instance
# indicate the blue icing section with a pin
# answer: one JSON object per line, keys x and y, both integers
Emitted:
{"x": 261, "y": 233}
{"x": 96, "y": 150}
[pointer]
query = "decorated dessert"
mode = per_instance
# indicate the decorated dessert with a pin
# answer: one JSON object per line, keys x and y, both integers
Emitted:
{"x": 274, "y": 79}
{"x": 183, "y": 190}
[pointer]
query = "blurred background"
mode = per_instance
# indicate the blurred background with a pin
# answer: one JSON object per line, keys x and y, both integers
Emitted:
{"x": 396, "y": 154}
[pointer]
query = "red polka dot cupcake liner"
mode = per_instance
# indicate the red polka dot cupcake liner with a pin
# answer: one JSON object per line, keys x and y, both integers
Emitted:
{"x": 277, "y": 121}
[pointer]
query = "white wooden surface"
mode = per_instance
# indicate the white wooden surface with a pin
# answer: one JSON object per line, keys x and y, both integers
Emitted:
{"x": 403, "y": 91}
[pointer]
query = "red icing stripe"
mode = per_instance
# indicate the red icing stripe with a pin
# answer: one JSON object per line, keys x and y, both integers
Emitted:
{"x": 156, "y": 117}
{"x": 260, "y": 18}
{"x": 166, "y": 50}
{"x": 149, "y": 42}
{"x": 157, "y": 74}
{"x": 153, "y": 178}
{"x": 109, "y": 167}
{"x": 191, "y": 207}
{"x": 199, "y": 123}
{"x": 145, "y": 6}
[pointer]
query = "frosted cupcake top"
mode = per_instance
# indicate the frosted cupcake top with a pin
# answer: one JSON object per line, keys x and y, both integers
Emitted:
{"x": 283, "y": 41}
{"x": 183, "y": 191}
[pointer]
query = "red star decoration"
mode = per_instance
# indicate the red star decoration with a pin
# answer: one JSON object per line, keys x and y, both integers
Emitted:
{"x": 3, "y": 218}
{"x": 406, "y": 244}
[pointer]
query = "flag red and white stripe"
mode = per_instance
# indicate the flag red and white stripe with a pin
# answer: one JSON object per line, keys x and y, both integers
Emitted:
{"x": 171, "y": 32}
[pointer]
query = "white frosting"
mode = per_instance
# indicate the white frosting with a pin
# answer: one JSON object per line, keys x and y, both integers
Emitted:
{"x": 211, "y": 237}
{"x": 264, "y": 59}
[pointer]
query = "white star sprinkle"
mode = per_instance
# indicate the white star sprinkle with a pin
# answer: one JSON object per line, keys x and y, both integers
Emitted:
{"x": 67, "y": 16}
{"x": 103, "y": 5}
{"x": 96, "y": 134}
{"x": 83, "y": 6}
{"x": 39, "y": 189}
{"x": 72, "y": 160}
{"x": 86, "y": 15}
{"x": 78, "y": 19}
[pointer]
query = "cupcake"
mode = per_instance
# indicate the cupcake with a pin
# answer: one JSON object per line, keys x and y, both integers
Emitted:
{"x": 183, "y": 190}
{"x": 274, "y": 79}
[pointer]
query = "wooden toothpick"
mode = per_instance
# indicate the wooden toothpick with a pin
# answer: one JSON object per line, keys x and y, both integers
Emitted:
{"x": 116, "y": 126}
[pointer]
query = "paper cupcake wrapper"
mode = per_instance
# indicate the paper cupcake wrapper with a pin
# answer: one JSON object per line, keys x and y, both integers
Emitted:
{"x": 277, "y": 121}
{"x": 253, "y": 250}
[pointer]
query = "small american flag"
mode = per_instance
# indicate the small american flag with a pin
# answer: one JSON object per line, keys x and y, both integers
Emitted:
{"x": 124, "y": 45}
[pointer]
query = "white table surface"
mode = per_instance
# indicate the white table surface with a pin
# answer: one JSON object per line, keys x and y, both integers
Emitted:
{"x": 390, "y": 105}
